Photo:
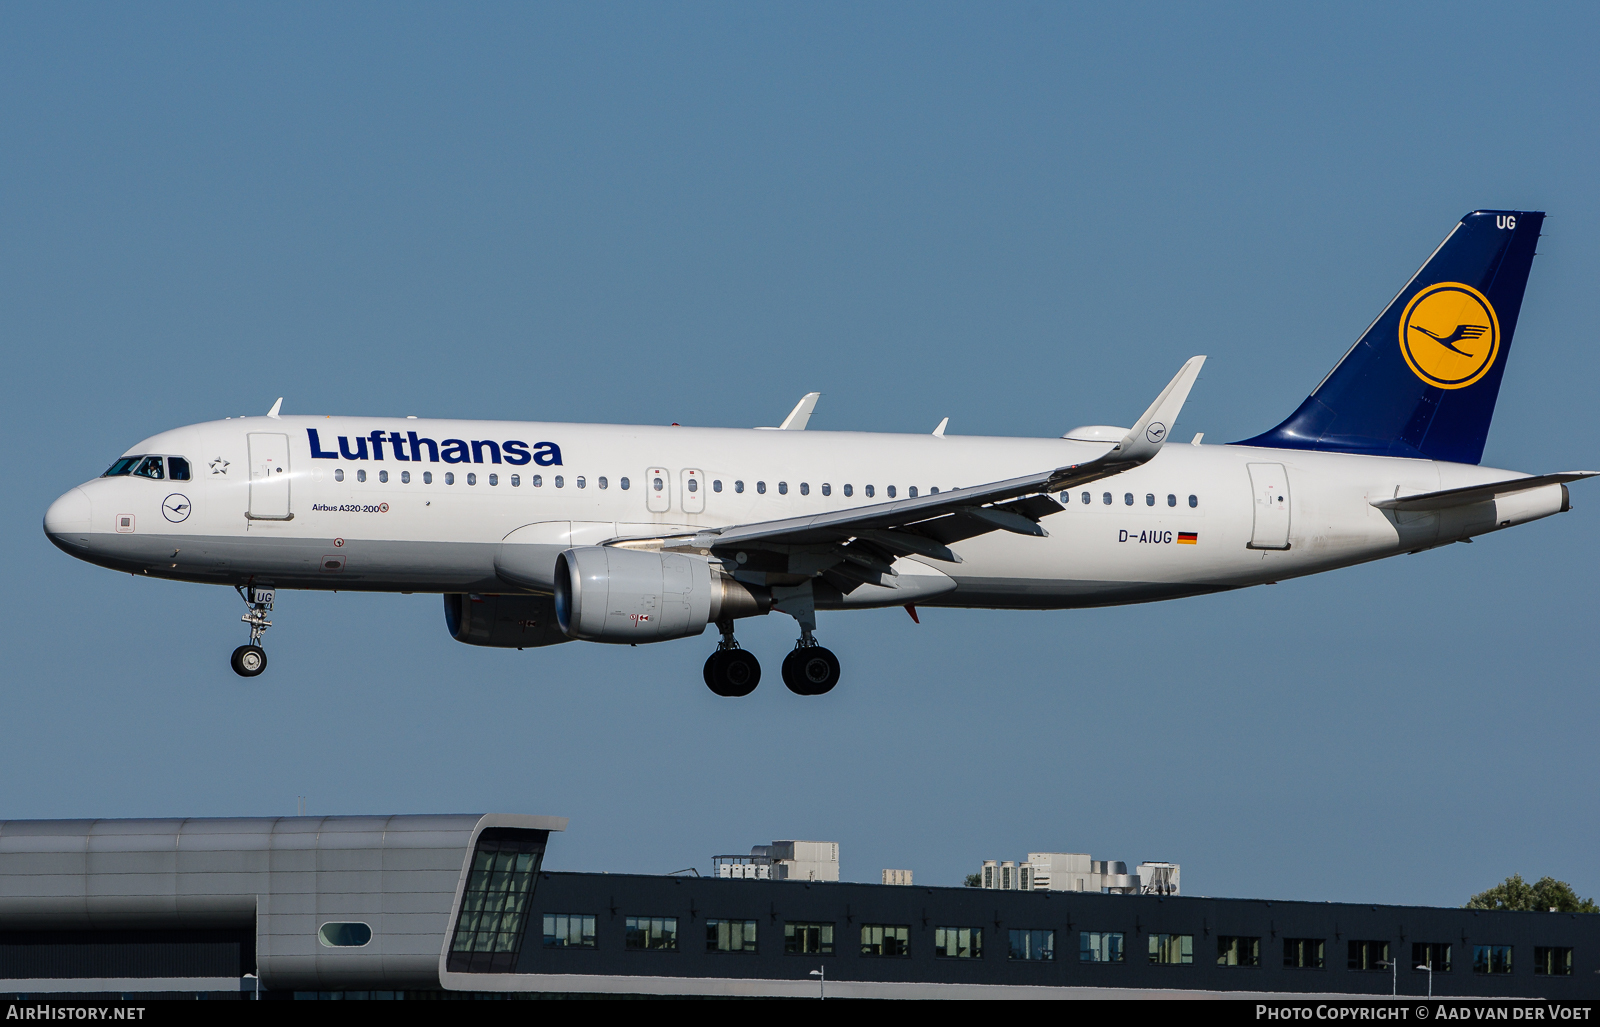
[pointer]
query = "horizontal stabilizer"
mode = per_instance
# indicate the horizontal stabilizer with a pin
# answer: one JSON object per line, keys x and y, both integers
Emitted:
{"x": 1477, "y": 493}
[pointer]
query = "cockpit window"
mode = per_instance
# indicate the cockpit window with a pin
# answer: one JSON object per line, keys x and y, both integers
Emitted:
{"x": 121, "y": 467}
{"x": 177, "y": 468}
{"x": 149, "y": 467}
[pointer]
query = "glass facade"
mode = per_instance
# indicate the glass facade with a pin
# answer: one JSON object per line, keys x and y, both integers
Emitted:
{"x": 494, "y": 907}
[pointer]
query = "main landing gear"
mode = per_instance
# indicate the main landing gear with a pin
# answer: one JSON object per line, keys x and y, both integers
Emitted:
{"x": 733, "y": 672}
{"x": 250, "y": 660}
{"x": 730, "y": 671}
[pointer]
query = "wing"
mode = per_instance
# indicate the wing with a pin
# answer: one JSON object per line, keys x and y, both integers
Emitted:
{"x": 858, "y": 546}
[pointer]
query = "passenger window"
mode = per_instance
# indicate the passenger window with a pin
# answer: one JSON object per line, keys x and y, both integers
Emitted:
{"x": 338, "y": 474}
{"x": 805, "y": 488}
{"x": 121, "y": 467}
{"x": 1106, "y": 499}
{"x": 912, "y": 492}
{"x": 494, "y": 479}
{"x": 560, "y": 481}
{"x": 602, "y": 482}
{"x": 849, "y": 490}
{"x": 694, "y": 484}
{"x": 449, "y": 477}
{"x": 405, "y": 477}
{"x": 1194, "y": 501}
{"x": 1172, "y": 500}
{"x": 516, "y": 481}
{"x": 427, "y": 477}
{"x": 383, "y": 476}
{"x": 738, "y": 486}
{"x": 1127, "y": 498}
{"x": 783, "y": 488}
{"x": 658, "y": 484}
{"x": 361, "y": 475}
{"x": 1086, "y": 499}
{"x": 891, "y": 491}
{"x": 871, "y": 491}
{"x": 827, "y": 489}
{"x": 624, "y": 483}
{"x": 716, "y": 485}
{"x": 538, "y": 481}
{"x": 472, "y": 479}
{"x": 1150, "y": 499}
{"x": 761, "y": 487}
{"x": 150, "y": 467}
{"x": 934, "y": 491}
{"x": 177, "y": 468}
{"x": 582, "y": 484}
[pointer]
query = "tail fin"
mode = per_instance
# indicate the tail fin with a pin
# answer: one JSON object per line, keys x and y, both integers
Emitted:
{"x": 1423, "y": 379}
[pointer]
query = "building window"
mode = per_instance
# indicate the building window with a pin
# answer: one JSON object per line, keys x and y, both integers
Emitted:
{"x": 1434, "y": 954}
{"x": 472, "y": 478}
{"x": 1554, "y": 961}
{"x": 1236, "y": 951}
{"x": 338, "y": 474}
{"x": 344, "y": 936}
{"x": 806, "y": 939}
{"x": 652, "y": 932}
{"x": 361, "y": 475}
{"x": 885, "y": 940}
{"x": 958, "y": 942}
{"x": 731, "y": 936}
{"x": 405, "y": 477}
{"x": 568, "y": 931}
{"x": 1367, "y": 955}
{"x": 1100, "y": 947}
{"x": 1033, "y": 945}
{"x": 1304, "y": 953}
{"x": 1177, "y": 949}
{"x": 494, "y": 907}
{"x": 1491, "y": 959}
{"x": 427, "y": 477}
{"x": 383, "y": 476}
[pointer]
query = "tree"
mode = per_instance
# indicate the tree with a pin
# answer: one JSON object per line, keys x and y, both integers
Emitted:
{"x": 974, "y": 880}
{"x": 1547, "y": 893}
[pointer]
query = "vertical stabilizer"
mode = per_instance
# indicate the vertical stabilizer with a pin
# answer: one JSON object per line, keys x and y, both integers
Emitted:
{"x": 1422, "y": 381}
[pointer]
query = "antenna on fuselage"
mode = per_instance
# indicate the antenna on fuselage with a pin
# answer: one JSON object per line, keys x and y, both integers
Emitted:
{"x": 273, "y": 413}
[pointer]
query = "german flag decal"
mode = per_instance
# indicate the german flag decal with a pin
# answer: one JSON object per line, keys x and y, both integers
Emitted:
{"x": 1188, "y": 538}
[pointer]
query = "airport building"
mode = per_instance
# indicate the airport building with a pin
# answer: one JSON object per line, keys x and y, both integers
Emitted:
{"x": 455, "y": 906}
{"x": 1076, "y": 871}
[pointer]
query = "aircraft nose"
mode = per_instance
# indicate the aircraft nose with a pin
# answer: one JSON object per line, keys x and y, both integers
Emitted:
{"x": 69, "y": 518}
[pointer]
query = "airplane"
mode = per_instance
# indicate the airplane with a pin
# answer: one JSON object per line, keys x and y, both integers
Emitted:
{"x": 541, "y": 533}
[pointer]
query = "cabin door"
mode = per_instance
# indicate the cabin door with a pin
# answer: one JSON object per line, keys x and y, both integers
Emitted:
{"x": 269, "y": 477}
{"x": 1269, "y": 485}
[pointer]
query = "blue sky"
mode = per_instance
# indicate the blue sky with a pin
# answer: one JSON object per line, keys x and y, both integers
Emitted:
{"x": 1020, "y": 216}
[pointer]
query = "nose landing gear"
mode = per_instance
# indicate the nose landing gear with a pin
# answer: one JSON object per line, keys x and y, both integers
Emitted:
{"x": 250, "y": 660}
{"x": 731, "y": 672}
{"x": 810, "y": 669}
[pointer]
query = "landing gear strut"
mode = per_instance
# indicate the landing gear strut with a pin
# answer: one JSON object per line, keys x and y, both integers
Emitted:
{"x": 730, "y": 671}
{"x": 250, "y": 660}
{"x": 810, "y": 669}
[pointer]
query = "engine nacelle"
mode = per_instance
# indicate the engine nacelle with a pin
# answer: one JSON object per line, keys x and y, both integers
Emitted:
{"x": 607, "y": 594}
{"x": 506, "y": 622}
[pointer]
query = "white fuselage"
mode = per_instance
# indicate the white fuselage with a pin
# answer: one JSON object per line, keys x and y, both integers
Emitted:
{"x": 294, "y": 520}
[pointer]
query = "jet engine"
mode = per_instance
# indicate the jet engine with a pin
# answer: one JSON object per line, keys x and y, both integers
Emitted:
{"x": 608, "y": 594}
{"x": 506, "y": 622}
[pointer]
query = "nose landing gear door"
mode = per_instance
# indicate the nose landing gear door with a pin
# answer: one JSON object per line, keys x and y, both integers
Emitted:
{"x": 269, "y": 477}
{"x": 693, "y": 496}
{"x": 1269, "y": 485}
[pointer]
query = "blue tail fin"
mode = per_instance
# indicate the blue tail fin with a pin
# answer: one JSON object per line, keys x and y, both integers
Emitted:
{"x": 1423, "y": 379}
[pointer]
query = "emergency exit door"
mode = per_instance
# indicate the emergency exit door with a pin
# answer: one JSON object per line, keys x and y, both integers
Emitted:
{"x": 269, "y": 477}
{"x": 1270, "y": 486}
